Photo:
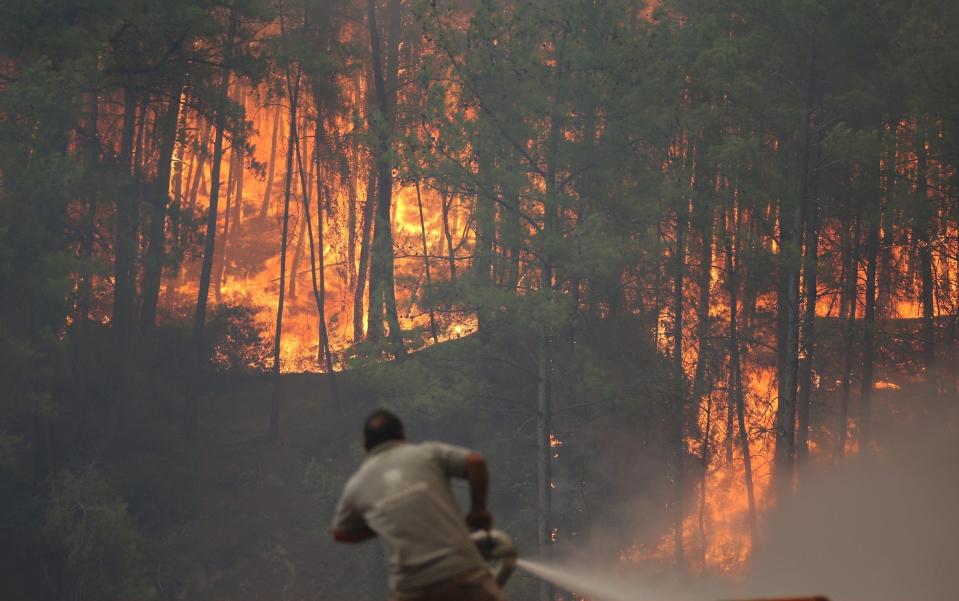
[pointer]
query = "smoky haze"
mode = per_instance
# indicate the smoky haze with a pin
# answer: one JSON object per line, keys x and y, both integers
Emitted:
{"x": 876, "y": 528}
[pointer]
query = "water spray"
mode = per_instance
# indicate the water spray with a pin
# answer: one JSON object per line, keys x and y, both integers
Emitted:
{"x": 498, "y": 549}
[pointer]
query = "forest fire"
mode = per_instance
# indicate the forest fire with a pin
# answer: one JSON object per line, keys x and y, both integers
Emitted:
{"x": 664, "y": 263}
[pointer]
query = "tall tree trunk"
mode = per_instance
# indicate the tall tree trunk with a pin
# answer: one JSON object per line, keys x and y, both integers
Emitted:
{"x": 203, "y": 140}
{"x": 849, "y": 336}
{"x": 923, "y": 240}
{"x": 679, "y": 384}
{"x": 306, "y": 178}
{"x": 125, "y": 253}
{"x": 704, "y": 460}
{"x": 362, "y": 272}
{"x": 319, "y": 287}
{"x": 156, "y": 249}
{"x": 206, "y": 268}
{"x": 382, "y": 287}
{"x": 447, "y": 202}
{"x": 298, "y": 250}
{"x": 238, "y": 208}
{"x": 790, "y": 225}
{"x": 88, "y": 236}
{"x": 176, "y": 206}
{"x": 271, "y": 166}
{"x": 353, "y": 163}
{"x": 869, "y": 328}
{"x": 292, "y": 147}
{"x": 426, "y": 263}
{"x": 551, "y": 212}
{"x": 219, "y": 254}
{"x": 807, "y": 339}
{"x": 735, "y": 367}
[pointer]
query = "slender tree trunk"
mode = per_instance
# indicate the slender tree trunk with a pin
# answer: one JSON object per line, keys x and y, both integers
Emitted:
{"x": 206, "y": 268}
{"x": 551, "y": 212}
{"x": 125, "y": 253}
{"x": 176, "y": 207}
{"x": 426, "y": 263}
{"x": 200, "y": 159}
{"x": 292, "y": 146}
{"x": 679, "y": 383}
{"x": 849, "y": 337}
{"x": 705, "y": 218}
{"x": 353, "y": 162}
{"x": 306, "y": 177}
{"x": 219, "y": 254}
{"x": 363, "y": 271}
{"x": 923, "y": 242}
{"x": 382, "y": 287}
{"x": 85, "y": 287}
{"x": 238, "y": 207}
{"x": 156, "y": 249}
{"x": 869, "y": 329}
{"x": 808, "y": 326}
{"x": 319, "y": 287}
{"x": 298, "y": 251}
{"x": 735, "y": 361}
{"x": 790, "y": 225}
{"x": 447, "y": 200}
{"x": 704, "y": 459}
{"x": 271, "y": 166}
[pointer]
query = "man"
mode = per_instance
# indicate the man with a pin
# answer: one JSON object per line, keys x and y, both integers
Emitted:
{"x": 401, "y": 493}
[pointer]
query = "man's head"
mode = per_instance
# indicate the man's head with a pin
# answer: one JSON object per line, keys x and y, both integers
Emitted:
{"x": 381, "y": 426}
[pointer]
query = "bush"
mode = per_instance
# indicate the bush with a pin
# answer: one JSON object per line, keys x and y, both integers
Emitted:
{"x": 97, "y": 539}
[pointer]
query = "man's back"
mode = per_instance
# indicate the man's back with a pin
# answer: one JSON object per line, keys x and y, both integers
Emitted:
{"x": 402, "y": 493}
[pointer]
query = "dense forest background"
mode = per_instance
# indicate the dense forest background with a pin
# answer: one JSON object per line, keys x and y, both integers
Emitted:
{"x": 659, "y": 261}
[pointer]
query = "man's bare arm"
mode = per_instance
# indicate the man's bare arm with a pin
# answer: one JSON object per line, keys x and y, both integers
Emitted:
{"x": 478, "y": 476}
{"x": 354, "y": 535}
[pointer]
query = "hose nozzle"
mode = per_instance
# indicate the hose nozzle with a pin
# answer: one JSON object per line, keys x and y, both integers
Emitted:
{"x": 497, "y": 547}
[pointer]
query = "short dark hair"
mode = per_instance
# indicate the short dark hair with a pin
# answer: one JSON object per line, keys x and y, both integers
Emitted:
{"x": 381, "y": 426}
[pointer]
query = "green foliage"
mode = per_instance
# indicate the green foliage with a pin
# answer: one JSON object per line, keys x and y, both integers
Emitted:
{"x": 99, "y": 541}
{"x": 237, "y": 341}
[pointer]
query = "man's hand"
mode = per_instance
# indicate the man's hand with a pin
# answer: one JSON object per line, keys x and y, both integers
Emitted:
{"x": 479, "y": 519}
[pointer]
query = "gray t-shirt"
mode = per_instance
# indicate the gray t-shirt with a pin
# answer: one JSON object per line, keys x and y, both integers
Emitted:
{"x": 402, "y": 492}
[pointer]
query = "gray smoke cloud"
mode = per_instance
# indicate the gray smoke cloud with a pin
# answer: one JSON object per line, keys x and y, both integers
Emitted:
{"x": 879, "y": 527}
